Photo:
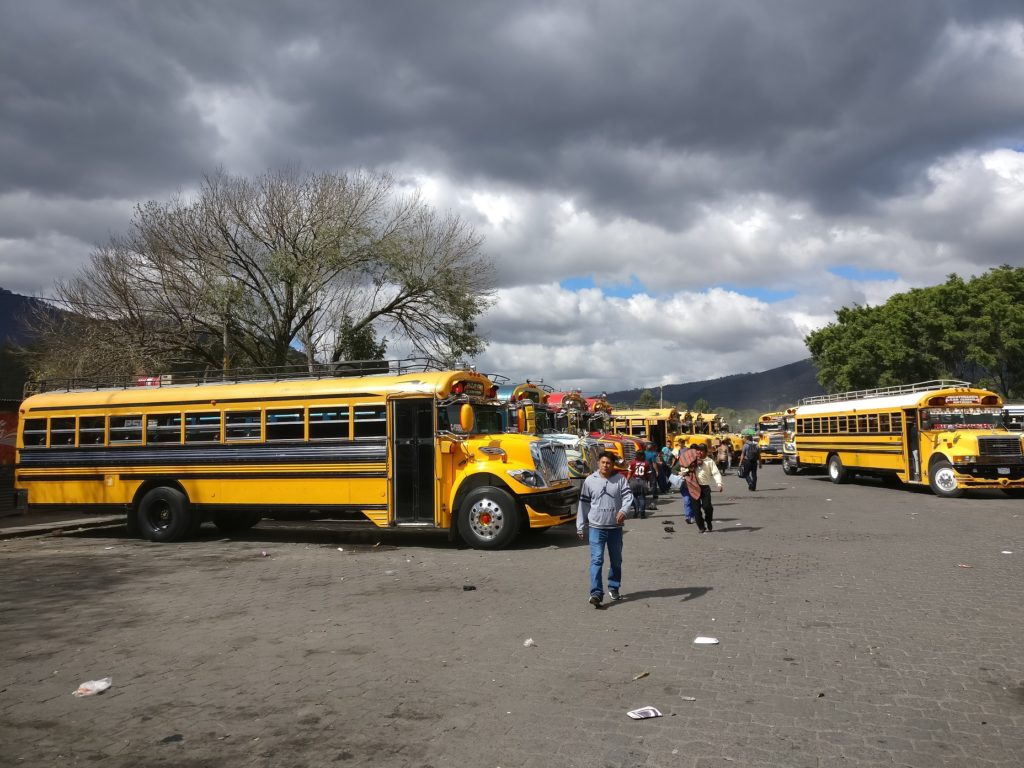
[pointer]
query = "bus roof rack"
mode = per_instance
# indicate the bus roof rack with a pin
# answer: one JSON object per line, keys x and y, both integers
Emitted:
{"x": 235, "y": 375}
{"x": 901, "y": 389}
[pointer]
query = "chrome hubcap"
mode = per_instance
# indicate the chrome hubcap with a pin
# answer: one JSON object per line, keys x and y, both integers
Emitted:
{"x": 945, "y": 479}
{"x": 486, "y": 519}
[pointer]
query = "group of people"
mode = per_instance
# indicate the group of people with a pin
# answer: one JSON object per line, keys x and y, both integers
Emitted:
{"x": 608, "y": 497}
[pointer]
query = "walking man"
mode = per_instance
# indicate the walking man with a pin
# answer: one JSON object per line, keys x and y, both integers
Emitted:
{"x": 604, "y": 500}
{"x": 749, "y": 461}
{"x": 707, "y": 474}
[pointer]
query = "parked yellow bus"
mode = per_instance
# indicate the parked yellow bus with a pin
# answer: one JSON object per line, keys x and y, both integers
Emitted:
{"x": 657, "y": 425}
{"x": 770, "y": 435}
{"x": 421, "y": 450}
{"x": 945, "y": 434}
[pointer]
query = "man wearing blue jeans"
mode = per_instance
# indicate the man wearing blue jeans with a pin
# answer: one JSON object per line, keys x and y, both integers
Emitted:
{"x": 605, "y": 499}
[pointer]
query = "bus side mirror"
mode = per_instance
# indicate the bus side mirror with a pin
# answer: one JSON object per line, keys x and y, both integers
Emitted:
{"x": 466, "y": 418}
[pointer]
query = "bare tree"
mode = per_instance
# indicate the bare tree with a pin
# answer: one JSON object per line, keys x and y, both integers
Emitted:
{"x": 250, "y": 269}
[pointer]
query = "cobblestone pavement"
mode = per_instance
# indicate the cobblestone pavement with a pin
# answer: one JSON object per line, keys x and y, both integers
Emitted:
{"x": 851, "y": 635}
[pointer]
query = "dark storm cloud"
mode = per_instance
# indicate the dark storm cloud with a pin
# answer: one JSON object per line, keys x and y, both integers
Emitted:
{"x": 607, "y": 102}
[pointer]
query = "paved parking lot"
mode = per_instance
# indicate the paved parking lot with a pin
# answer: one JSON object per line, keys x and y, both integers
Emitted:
{"x": 851, "y": 634}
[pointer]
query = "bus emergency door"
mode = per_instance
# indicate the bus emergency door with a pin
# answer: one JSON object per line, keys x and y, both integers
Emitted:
{"x": 412, "y": 446}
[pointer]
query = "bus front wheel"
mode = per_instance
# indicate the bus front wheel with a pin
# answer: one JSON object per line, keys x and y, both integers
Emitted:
{"x": 163, "y": 514}
{"x": 488, "y": 518}
{"x": 836, "y": 470}
{"x": 789, "y": 469}
{"x": 942, "y": 480}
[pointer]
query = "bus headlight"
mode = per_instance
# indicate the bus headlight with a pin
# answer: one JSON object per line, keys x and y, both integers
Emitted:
{"x": 964, "y": 459}
{"x": 528, "y": 477}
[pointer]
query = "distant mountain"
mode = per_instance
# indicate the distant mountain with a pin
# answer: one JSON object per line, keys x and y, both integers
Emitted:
{"x": 764, "y": 391}
{"x": 13, "y": 308}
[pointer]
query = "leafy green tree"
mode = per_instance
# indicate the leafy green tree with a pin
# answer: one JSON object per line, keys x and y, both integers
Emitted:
{"x": 702, "y": 406}
{"x": 646, "y": 399}
{"x": 972, "y": 330}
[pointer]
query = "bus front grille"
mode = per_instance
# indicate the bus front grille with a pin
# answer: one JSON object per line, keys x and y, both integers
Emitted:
{"x": 553, "y": 464}
{"x": 1008, "y": 447}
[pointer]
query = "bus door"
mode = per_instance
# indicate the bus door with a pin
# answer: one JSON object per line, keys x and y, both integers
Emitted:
{"x": 913, "y": 445}
{"x": 412, "y": 449}
{"x": 656, "y": 433}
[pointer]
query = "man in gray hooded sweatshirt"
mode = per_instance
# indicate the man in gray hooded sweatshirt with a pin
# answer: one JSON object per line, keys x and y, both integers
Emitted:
{"x": 604, "y": 501}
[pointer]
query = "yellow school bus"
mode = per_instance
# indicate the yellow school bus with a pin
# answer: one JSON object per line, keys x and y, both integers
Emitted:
{"x": 944, "y": 434}
{"x": 423, "y": 449}
{"x": 656, "y": 425}
{"x": 770, "y": 435}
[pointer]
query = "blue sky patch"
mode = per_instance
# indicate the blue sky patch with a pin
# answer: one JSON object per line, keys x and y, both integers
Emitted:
{"x": 619, "y": 290}
{"x": 860, "y": 275}
{"x": 767, "y": 295}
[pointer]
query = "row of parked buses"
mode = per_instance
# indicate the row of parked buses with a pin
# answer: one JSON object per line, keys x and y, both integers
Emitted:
{"x": 398, "y": 444}
{"x": 944, "y": 434}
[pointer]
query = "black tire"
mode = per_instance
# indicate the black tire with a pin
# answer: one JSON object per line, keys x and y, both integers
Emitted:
{"x": 789, "y": 469}
{"x": 942, "y": 480}
{"x": 488, "y": 518}
{"x": 233, "y": 522}
{"x": 163, "y": 514}
{"x": 1014, "y": 493}
{"x": 836, "y": 471}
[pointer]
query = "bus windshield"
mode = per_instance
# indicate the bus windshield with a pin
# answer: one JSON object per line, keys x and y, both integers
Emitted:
{"x": 961, "y": 418}
{"x": 487, "y": 419}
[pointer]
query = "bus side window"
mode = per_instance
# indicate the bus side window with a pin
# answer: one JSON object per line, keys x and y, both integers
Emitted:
{"x": 125, "y": 430}
{"x": 163, "y": 428}
{"x": 897, "y": 423}
{"x": 329, "y": 423}
{"x": 202, "y": 427}
{"x": 883, "y": 422}
{"x": 90, "y": 430}
{"x": 242, "y": 425}
{"x": 285, "y": 425}
{"x": 34, "y": 433}
{"x": 62, "y": 431}
{"x": 370, "y": 421}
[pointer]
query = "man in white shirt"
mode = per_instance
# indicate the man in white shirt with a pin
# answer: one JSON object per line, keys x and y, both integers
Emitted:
{"x": 707, "y": 475}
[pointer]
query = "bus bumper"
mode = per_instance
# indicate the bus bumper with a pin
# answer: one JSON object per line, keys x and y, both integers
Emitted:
{"x": 551, "y": 507}
{"x": 1008, "y": 475}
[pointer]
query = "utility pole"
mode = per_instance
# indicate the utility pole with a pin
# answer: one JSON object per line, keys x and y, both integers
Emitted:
{"x": 661, "y": 395}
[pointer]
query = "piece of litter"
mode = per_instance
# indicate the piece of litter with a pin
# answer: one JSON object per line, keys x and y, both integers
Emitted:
{"x": 688, "y": 698}
{"x": 389, "y": 573}
{"x": 341, "y": 549}
{"x": 828, "y": 499}
{"x": 701, "y": 640}
{"x": 1006, "y": 552}
{"x": 529, "y": 643}
{"x": 172, "y": 739}
{"x": 643, "y": 713}
{"x": 468, "y": 588}
{"x": 739, "y": 523}
{"x": 108, "y": 547}
{"x": 263, "y": 553}
{"x": 963, "y": 565}
{"x": 669, "y": 529}
{"x": 91, "y": 687}
{"x": 641, "y": 675}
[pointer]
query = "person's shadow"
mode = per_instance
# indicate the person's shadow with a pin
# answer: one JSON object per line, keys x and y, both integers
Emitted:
{"x": 687, "y": 593}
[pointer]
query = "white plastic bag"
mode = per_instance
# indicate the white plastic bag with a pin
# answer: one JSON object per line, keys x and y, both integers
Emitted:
{"x": 92, "y": 687}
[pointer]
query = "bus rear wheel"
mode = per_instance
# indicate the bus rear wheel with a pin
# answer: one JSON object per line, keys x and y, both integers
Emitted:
{"x": 163, "y": 514}
{"x": 488, "y": 518}
{"x": 942, "y": 480}
{"x": 836, "y": 471}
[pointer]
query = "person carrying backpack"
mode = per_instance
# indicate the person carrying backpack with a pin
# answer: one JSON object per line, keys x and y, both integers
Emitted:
{"x": 749, "y": 460}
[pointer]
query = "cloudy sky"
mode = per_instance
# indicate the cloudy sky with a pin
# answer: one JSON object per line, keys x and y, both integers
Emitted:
{"x": 671, "y": 191}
